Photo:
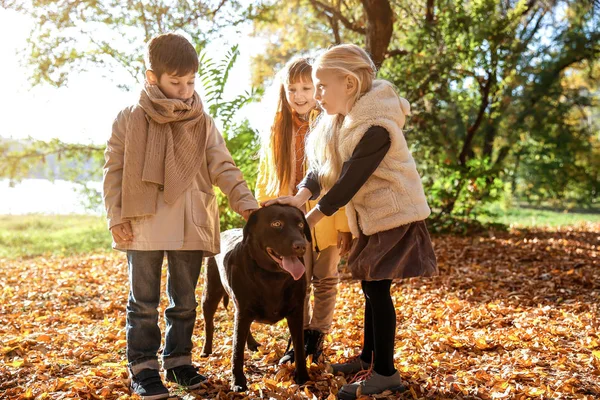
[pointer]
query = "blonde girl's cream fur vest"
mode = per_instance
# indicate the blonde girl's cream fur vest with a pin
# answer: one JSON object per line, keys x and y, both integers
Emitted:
{"x": 393, "y": 195}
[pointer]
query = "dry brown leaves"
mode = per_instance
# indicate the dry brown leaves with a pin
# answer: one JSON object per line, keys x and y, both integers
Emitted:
{"x": 511, "y": 316}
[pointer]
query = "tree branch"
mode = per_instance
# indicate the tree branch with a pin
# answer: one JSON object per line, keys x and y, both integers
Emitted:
{"x": 336, "y": 28}
{"x": 485, "y": 100}
{"x": 353, "y": 26}
{"x": 396, "y": 52}
{"x": 216, "y": 10}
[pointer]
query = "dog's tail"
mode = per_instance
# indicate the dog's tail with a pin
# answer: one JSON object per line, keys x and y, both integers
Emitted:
{"x": 225, "y": 300}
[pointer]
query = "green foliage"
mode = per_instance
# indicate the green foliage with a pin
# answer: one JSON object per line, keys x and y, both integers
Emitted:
{"x": 461, "y": 190}
{"x": 75, "y": 35}
{"x": 83, "y": 163}
{"x": 504, "y": 93}
{"x": 527, "y": 216}
{"x": 244, "y": 146}
{"x": 293, "y": 27}
{"x": 493, "y": 99}
{"x": 241, "y": 139}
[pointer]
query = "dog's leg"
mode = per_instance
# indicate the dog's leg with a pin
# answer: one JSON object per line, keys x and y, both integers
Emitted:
{"x": 253, "y": 345}
{"x": 295, "y": 324}
{"x": 240, "y": 335}
{"x": 211, "y": 296}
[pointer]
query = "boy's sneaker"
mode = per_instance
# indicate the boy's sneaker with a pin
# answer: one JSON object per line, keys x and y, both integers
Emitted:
{"x": 148, "y": 385}
{"x": 186, "y": 376}
{"x": 373, "y": 384}
{"x": 351, "y": 367}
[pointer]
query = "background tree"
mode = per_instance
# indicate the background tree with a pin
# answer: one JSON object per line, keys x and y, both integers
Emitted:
{"x": 74, "y": 35}
{"x": 504, "y": 92}
{"x": 486, "y": 80}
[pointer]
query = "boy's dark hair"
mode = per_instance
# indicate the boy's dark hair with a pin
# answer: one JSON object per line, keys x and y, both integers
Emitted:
{"x": 170, "y": 53}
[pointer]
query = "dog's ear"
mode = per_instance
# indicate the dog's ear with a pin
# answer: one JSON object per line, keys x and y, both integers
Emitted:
{"x": 249, "y": 226}
{"x": 307, "y": 232}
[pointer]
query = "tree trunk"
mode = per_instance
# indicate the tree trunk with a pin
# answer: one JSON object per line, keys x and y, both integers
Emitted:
{"x": 513, "y": 181}
{"x": 488, "y": 140}
{"x": 380, "y": 26}
{"x": 429, "y": 16}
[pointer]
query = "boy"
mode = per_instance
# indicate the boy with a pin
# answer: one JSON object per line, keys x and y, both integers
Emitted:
{"x": 162, "y": 159}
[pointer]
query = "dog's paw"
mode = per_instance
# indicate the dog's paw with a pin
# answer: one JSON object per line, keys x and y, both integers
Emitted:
{"x": 206, "y": 352}
{"x": 239, "y": 385}
{"x": 253, "y": 346}
{"x": 239, "y": 388}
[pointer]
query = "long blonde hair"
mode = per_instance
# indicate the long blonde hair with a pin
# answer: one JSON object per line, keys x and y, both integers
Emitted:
{"x": 322, "y": 145}
{"x": 277, "y": 149}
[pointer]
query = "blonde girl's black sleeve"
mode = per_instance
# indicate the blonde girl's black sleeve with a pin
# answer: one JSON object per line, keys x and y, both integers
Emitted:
{"x": 365, "y": 159}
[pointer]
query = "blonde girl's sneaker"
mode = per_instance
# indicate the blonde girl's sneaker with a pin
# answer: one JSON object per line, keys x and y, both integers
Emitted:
{"x": 148, "y": 385}
{"x": 372, "y": 384}
{"x": 186, "y": 376}
{"x": 351, "y": 366}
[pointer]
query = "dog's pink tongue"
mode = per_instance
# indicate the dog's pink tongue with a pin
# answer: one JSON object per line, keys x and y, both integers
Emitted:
{"x": 293, "y": 266}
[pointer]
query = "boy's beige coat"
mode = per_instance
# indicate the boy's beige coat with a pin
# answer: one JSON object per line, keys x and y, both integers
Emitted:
{"x": 192, "y": 221}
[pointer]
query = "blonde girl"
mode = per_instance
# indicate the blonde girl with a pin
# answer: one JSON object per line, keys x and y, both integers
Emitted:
{"x": 282, "y": 167}
{"x": 358, "y": 155}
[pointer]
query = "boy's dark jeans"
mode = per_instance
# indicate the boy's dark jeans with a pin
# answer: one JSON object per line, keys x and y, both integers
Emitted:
{"x": 143, "y": 333}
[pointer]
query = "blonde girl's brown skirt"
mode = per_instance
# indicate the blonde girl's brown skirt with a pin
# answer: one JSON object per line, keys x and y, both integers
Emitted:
{"x": 402, "y": 252}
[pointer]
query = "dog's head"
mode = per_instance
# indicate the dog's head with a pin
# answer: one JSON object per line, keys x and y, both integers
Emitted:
{"x": 278, "y": 236}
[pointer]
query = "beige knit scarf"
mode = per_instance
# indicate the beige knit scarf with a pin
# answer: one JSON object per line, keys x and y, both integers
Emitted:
{"x": 164, "y": 147}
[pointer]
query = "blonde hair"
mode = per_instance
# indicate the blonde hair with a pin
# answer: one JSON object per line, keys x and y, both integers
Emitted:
{"x": 347, "y": 60}
{"x": 277, "y": 146}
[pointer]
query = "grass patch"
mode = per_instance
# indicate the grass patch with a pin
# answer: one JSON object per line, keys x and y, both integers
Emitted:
{"x": 534, "y": 217}
{"x": 36, "y": 234}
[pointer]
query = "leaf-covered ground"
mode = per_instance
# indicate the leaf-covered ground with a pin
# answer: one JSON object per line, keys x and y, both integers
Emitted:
{"x": 512, "y": 315}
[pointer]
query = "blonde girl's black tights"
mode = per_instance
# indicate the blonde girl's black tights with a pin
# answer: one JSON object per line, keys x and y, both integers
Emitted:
{"x": 379, "y": 326}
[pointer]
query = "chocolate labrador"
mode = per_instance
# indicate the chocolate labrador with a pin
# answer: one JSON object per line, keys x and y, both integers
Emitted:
{"x": 261, "y": 269}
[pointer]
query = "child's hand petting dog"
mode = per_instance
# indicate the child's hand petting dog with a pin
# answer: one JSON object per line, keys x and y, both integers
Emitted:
{"x": 285, "y": 200}
{"x": 344, "y": 242}
{"x": 122, "y": 233}
{"x": 246, "y": 213}
{"x": 297, "y": 201}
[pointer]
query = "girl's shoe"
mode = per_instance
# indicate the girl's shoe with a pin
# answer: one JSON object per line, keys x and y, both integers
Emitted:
{"x": 351, "y": 367}
{"x": 373, "y": 384}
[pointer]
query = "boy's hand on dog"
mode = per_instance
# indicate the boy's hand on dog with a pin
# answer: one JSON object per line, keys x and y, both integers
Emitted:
{"x": 246, "y": 213}
{"x": 344, "y": 242}
{"x": 122, "y": 233}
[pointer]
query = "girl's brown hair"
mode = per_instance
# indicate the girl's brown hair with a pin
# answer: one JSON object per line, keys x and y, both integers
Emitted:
{"x": 281, "y": 138}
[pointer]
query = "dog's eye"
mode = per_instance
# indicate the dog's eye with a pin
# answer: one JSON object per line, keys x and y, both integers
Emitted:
{"x": 276, "y": 224}
{"x": 301, "y": 225}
